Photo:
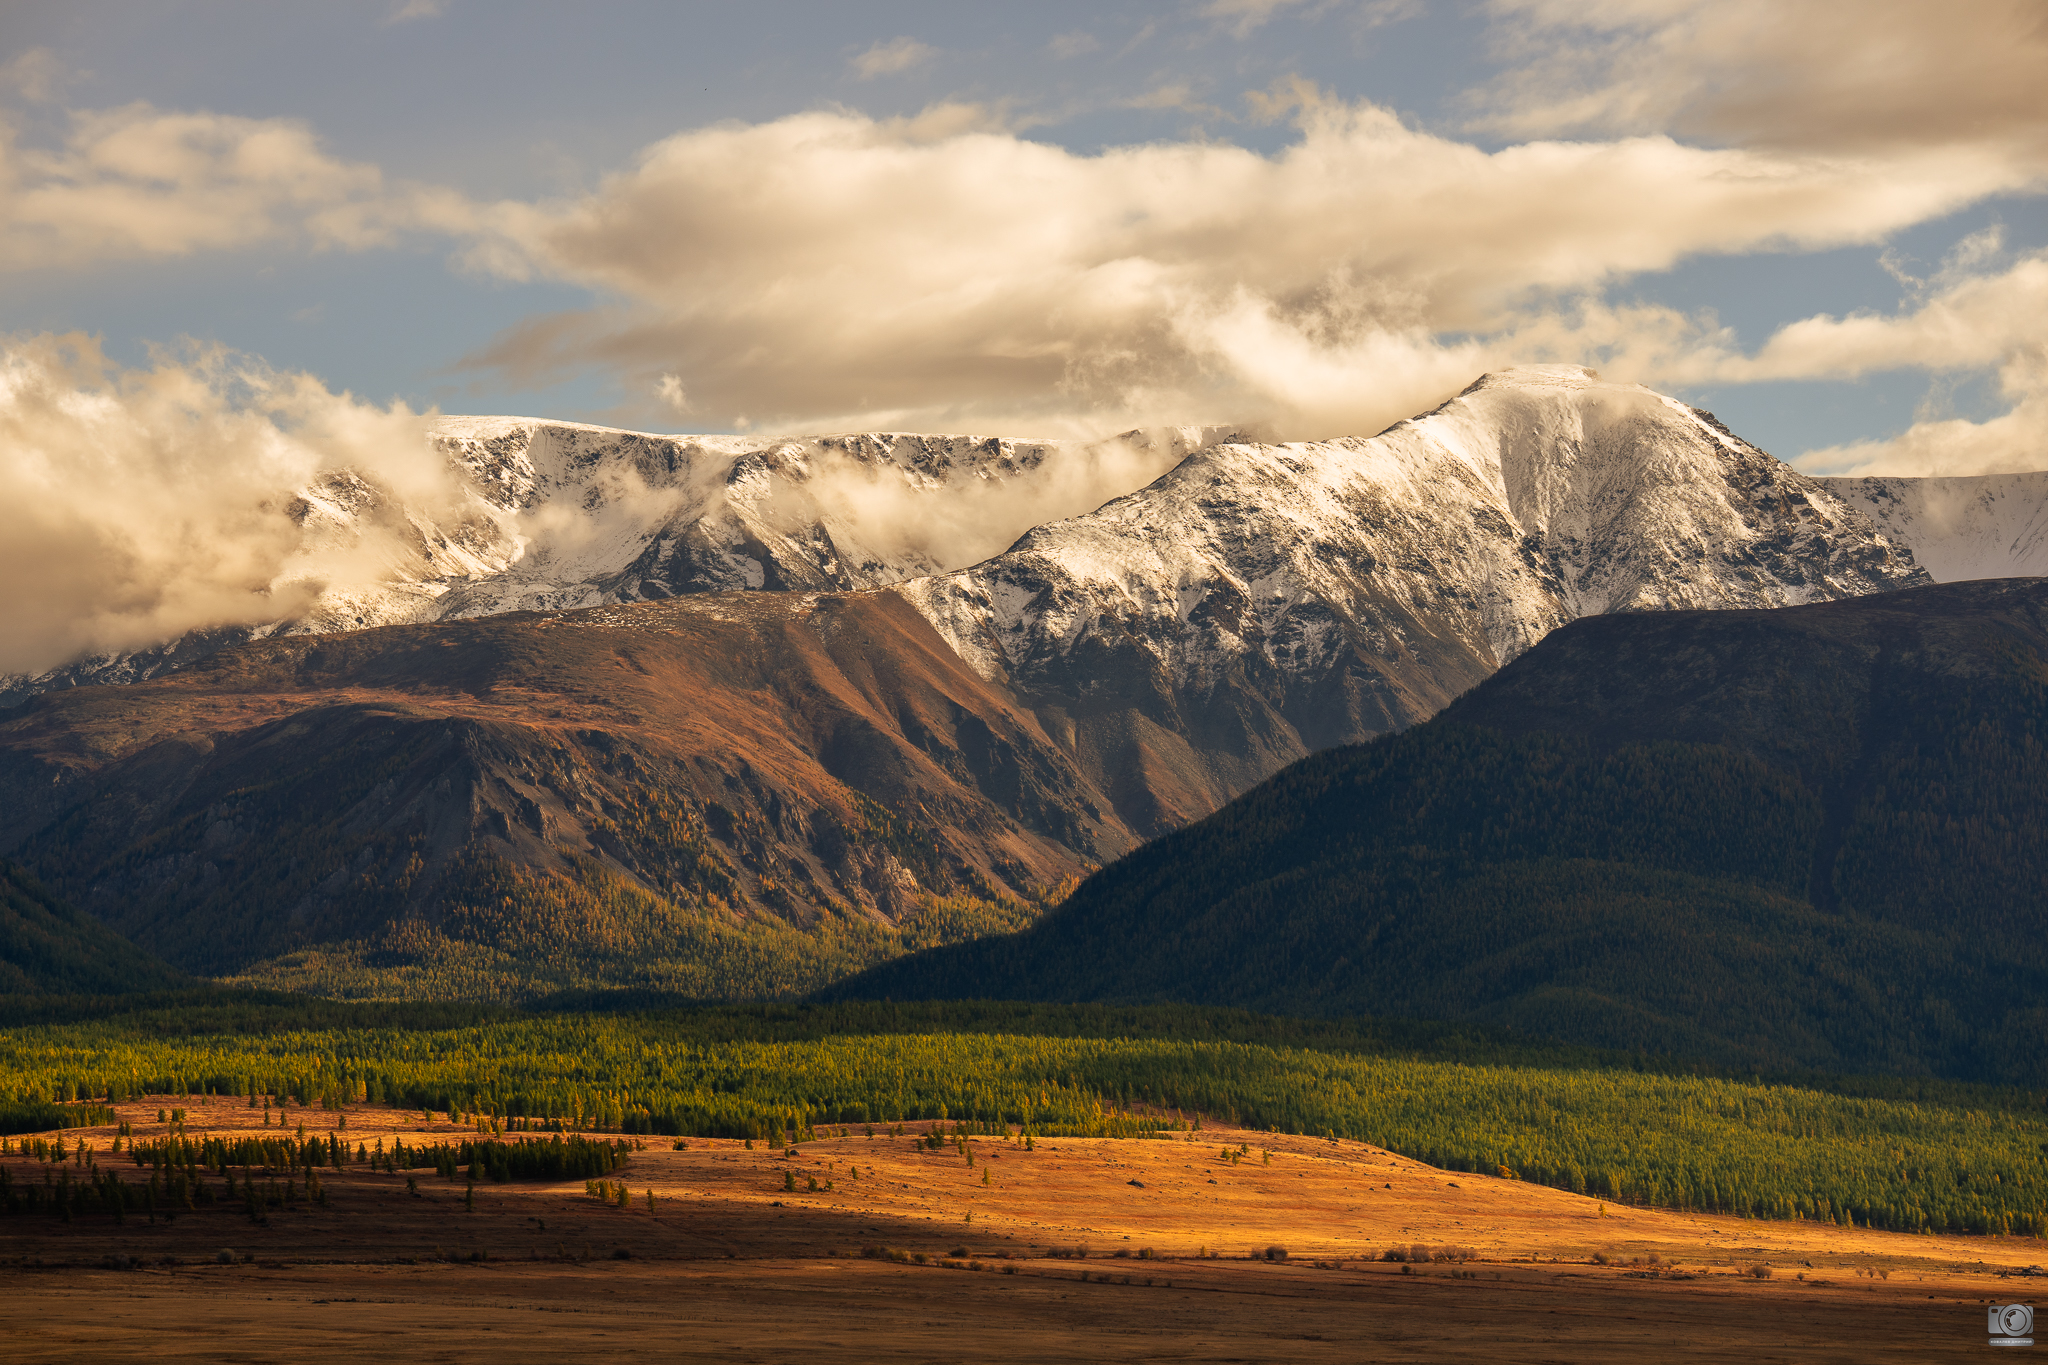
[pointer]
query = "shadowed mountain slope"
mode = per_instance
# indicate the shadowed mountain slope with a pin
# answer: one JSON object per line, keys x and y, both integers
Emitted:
{"x": 740, "y": 794}
{"x": 48, "y": 948}
{"x": 1810, "y": 836}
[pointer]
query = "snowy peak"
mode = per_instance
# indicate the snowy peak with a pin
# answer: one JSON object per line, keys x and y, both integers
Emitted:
{"x": 1261, "y": 601}
{"x": 1627, "y": 488}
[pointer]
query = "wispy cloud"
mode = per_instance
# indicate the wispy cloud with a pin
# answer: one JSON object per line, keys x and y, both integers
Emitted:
{"x": 407, "y": 11}
{"x": 1177, "y": 95}
{"x": 38, "y": 75}
{"x": 892, "y": 58}
{"x": 1890, "y": 74}
{"x": 1243, "y": 17}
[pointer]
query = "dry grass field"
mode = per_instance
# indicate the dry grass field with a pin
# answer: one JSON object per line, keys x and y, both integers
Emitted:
{"x": 729, "y": 1264}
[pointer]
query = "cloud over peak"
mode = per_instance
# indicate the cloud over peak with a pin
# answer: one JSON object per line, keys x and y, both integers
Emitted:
{"x": 831, "y": 268}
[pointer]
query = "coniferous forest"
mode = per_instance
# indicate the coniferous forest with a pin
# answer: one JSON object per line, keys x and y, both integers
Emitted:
{"x": 1883, "y": 1153}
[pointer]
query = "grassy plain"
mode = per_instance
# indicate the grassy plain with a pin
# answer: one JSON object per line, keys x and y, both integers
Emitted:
{"x": 730, "y": 1264}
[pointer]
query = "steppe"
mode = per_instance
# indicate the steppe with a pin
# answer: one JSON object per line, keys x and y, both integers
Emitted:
{"x": 730, "y": 1264}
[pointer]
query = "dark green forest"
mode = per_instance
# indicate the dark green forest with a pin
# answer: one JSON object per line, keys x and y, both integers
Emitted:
{"x": 46, "y": 945}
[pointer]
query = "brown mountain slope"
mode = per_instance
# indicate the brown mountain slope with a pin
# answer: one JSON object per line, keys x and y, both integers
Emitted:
{"x": 733, "y": 794}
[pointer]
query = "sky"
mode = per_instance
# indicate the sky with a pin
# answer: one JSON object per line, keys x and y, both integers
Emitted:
{"x": 238, "y": 240}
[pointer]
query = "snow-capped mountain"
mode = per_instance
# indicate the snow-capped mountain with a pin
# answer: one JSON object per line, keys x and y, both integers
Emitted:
{"x": 547, "y": 516}
{"x": 1259, "y": 602}
{"x": 923, "y": 712}
{"x": 1987, "y": 526}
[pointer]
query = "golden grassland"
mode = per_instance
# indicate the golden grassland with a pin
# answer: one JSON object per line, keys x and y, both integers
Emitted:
{"x": 973, "y": 1248}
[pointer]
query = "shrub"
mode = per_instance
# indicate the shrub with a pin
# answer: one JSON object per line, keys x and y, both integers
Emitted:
{"x": 1276, "y": 1253}
{"x": 1759, "y": 1272}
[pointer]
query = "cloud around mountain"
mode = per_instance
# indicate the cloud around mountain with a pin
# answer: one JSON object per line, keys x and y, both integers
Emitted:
{"x": 137, "y": 504}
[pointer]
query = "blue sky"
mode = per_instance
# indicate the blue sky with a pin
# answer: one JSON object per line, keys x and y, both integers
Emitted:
{"x": 1316, "y": 214}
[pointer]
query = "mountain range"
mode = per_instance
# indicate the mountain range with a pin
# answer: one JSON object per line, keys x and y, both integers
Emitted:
{"x": 735, "y": 716}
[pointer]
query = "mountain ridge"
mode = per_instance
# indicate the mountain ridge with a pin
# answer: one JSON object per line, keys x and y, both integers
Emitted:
{"x": 1623, "y": 839}
{"x": 547, "y": 516}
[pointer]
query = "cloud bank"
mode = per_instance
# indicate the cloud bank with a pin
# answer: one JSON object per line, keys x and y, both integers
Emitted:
{"x": 139, "y": 504}
{"x": 834, "y": 269}
{"x": 830, "y": 270}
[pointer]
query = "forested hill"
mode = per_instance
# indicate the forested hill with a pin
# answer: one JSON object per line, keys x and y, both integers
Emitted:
{"x": 47, "y": 947}
{"x": 1812, "y": 836}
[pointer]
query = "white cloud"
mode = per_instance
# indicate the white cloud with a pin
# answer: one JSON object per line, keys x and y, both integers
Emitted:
{"x": 892, "y": 58}
{"x": 140, "y": 182}
{"x": 2014, "y": 441}
{"x": 669, "y": 389}
{"x": 1176, "y": 95}
{"x": 832, "y": 269}
{"x": 1079, "y": 43}
{"x": 1974, "y": 323}
{"x": 139, "y": 504}
{"x": 1242, "y": 17}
